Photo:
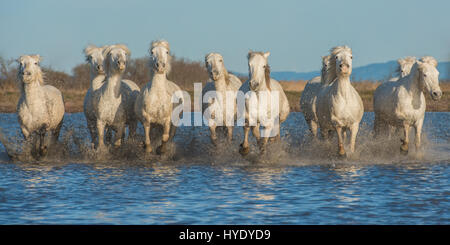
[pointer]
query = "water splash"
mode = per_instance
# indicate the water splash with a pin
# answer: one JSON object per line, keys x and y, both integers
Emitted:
{"x": 192, "y": 145}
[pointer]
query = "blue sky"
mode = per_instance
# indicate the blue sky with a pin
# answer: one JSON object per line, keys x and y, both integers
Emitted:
{"x": 296, "y": 33}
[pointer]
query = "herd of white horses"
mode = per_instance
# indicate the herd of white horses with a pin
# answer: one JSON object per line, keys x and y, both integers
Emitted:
{"x": 329, "y": 102}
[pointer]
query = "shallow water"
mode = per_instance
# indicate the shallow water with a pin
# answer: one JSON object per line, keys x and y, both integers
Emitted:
{"x": 299, "y": 181}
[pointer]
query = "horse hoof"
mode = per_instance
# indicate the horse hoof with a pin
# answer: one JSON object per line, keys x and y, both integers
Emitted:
{"x": 148, "y": 148}
{"x": 342, "y": 154}
{"x": 161, "y": 149}
{"x": 244, "y": 150}
{"x": 43, "y": 151}
{"x": 404, "y": 150}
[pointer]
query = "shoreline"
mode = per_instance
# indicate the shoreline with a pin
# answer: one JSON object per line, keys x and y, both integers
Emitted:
{"x": 73, "y": 99}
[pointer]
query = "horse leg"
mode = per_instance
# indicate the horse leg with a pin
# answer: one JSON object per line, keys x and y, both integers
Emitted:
{"x": 344, "y": 135}
{"x": 55, "y": 133}
{"x": 418, "y": 129}
{"x": 229, "y": 133}
{"x": 100, "y": 134}
{"x": 92, "y": 131}
{"x": 147, "y": 143}
{"x": 312, "y": 127}
{"x": 263, "y": 140}
{"x": 108, "y": 136}
{"x": 212, "y": 128}
{"x": 42, "y": 146}
{"x": 244, "y": 147}
{"x": 165, "y": 137}
{"x": 353, "y": 132}
{"x": 172, "y": 132}
{"x": 341, "y": 150}
{"x": 405, "y": 141}
{"x": 119, "y": 135}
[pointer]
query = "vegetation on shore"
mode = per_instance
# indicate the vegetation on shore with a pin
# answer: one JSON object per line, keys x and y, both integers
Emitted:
{"x": 184, "y": 72}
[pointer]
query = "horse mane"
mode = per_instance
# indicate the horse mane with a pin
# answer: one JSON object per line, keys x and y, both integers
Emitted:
{"x": 430, "y": 60}
{"x": 107, "y": 49}
{"x": 166, "y": 45}
{"x": 266, "y": 69}
{"x": 331, "y": 71}
{"x": 325, "y": 62}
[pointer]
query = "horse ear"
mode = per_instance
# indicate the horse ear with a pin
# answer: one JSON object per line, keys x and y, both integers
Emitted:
{"x": 249, "y": 54}
{"x": 87, "y": 51}
{"x": 266, "y": 54}
{"x": 400, "y": 61}
{"x": 125, "y": 48}
{"x": 206, "y": 59}
{"x": 37, "y": 57}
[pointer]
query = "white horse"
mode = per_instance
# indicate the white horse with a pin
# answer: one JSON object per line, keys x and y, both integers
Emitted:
{"x": 404, "y": 67}
{"x": 309, "y": 97}
{"x": 154, "y": 104}
{"x": 112, "y": 103}
{"x": 41, "y": 107}
{"x": 266, "y": 103}
{"x": 339, "y": 106}
{"x": 222, "y": 106}
{"x": 95, "y": 59}
{"x": 402, "y": 104}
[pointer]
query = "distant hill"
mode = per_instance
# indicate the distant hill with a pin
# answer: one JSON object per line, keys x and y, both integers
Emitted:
{"x": 376, "y": 71}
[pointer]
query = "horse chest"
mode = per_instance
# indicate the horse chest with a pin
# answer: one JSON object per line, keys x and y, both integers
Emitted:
{"x": 158, "y": 105}
{"x": 109, "y": 108}
{"x": 34, "y": 114}
{"x": 410, "y": 108}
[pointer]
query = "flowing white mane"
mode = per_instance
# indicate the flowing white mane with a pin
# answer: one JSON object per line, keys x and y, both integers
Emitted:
{"x": 331, "y": 71}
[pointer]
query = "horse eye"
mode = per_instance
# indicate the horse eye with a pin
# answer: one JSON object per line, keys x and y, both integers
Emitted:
{"x": 35, "y": 63}
{"x": 425, "y": 75}
{"x": 351, "y": 57}
{"x": 167, "y": 52}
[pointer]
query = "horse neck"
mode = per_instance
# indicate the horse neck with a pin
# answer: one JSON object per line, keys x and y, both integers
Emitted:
{"x": 159, "y": 81}
{"x": 342, "y": 84}
{"x": 221, "y": 84}
{"x": 97, "y": 80}
{"x": 33, "y": 92}
{"x": 411, "y": 82}
{"x": 113, "y": 84}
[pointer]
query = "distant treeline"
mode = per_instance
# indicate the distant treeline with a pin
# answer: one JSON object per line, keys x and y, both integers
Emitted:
{"x": 184, "y": 72}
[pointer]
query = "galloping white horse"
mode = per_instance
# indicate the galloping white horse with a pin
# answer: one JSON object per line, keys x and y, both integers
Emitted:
{"x": 402, "y": 104}
{"x": 266, "y": 103}
{"x": 222, "y": 106}
{"x": 41, "y": 107}
{"x": 113, "y": 103}
{"x": 154, "y": 104}
{"x": 95, "y": 59}
{"x": 309, "y": 97}
{"x": 339, "y": 106}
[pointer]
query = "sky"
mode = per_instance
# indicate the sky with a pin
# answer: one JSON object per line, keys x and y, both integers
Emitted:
{"x": 297, "y": 33}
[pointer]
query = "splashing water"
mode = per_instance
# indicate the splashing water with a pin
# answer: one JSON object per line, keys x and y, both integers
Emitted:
{"x": 192, "y": 145}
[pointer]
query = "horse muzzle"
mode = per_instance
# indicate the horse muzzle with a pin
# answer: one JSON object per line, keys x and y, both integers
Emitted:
{"x": 436, "y": 95}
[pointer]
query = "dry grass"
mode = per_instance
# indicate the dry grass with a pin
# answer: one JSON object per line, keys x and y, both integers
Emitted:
{"x": 365, "y": 90}
{"x": 184, "y": 73}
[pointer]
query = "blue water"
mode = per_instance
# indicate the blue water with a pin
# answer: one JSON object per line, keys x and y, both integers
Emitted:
{"x": 299, "y": 182}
